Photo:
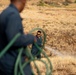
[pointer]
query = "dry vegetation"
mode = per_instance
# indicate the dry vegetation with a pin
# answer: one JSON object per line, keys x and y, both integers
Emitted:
{"x": 59, "y": 23}
{"x": 61, "y": 66}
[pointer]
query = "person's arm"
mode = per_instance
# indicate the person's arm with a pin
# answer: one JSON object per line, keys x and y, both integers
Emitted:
{"x": 39, "y": 43}
{"x": 14, "y": 26}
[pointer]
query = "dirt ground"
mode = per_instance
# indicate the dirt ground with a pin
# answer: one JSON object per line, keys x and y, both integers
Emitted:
{"x": 59, "y": 23}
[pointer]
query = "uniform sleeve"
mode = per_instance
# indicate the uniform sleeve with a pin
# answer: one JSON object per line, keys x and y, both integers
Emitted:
{"x": 14, "y": 26}
{"x": 39, "y": 42}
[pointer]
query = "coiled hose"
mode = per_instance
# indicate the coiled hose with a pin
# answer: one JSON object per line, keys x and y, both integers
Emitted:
{"x": 18, "y": 70}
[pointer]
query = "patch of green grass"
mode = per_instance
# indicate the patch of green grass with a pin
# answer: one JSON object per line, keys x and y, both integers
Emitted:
{"x": 54, "y": 5}
{"x": 65, "y": 3}
{"x": 41, "y": 3}
{"x": 75, "y": 1}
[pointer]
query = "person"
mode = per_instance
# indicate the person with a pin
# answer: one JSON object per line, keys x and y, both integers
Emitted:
{"x": 10, "y": 25}
{"x": 35, "y": 51}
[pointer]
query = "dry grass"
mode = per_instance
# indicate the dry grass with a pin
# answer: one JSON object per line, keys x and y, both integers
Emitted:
{"x": 61, "y": 66}
{"x": 60, "y": 27}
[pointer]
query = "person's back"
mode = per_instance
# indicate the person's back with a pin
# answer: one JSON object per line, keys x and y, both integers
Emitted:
{"x": 10, "y": 25}
{"x": 4, "y": 16}
{"x": 3, "y": 37}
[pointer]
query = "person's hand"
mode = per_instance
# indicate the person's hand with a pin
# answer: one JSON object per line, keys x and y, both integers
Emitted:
{"x": 26, "y": 32}
{"x": 35, "y": 40}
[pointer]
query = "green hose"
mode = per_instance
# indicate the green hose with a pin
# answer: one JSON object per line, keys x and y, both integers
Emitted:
{"x": 40, "y": 50}
{"x": 17, "y": 62}
{"x": 18, "y": 70}
{"x": 9, "y": 45}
